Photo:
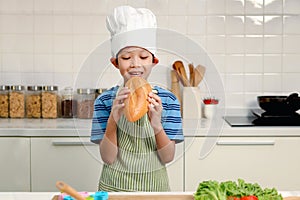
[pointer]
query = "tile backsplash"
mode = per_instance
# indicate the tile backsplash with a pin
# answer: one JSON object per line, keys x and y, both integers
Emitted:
{"x": 254, "y": 44}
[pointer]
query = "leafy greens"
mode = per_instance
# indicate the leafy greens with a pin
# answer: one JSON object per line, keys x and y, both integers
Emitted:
{"x": 213, "y": 190}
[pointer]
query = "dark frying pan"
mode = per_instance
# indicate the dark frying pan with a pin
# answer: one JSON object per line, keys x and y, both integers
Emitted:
{"x": 280, "y": 104}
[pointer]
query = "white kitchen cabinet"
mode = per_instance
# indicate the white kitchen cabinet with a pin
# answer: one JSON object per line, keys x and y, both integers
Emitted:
{"x": 76, "y": 161}
{"x": 73, "y": 160}
{"x": 268, "y": 161}
{"x": 15, "y": 164}
{"x": 176, "y": 170}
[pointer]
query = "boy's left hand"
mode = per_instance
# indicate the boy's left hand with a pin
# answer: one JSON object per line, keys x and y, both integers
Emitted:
{"x": 155, "y": 111}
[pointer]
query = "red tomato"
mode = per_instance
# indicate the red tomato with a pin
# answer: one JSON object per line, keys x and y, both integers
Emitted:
{"x": 249, "y": 198}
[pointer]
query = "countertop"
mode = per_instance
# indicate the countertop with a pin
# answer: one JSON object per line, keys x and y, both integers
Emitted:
{"x": 191, "y": 127}
{"x": 49, "y": 195}
{"x": 45, "y": 127}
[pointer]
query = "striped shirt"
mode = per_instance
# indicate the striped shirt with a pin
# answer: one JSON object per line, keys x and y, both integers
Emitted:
{"x": 171, "y": 115}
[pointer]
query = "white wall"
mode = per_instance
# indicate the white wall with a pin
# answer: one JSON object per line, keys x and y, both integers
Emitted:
{"x": 254, "y": 44}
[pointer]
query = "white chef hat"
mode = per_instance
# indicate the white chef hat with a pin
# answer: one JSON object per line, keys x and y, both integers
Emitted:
{"x": 132, "y": 27}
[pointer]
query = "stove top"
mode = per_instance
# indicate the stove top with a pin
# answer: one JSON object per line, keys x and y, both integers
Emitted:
{"x": 239, "y": 121}
{"x": 261, "y": 118}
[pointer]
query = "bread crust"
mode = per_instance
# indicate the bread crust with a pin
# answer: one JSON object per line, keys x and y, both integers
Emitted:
{"x": 136, "y": 105}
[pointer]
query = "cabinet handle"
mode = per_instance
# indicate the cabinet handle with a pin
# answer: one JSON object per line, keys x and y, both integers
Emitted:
{"x": 231, "y": 143}
{"x": 72, "y": 143}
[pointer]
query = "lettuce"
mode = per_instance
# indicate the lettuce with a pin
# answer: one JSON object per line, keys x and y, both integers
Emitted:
{"x": 213, "y": 190}
{"x": 269, "y": 194}
{"x": 210, "y": 190}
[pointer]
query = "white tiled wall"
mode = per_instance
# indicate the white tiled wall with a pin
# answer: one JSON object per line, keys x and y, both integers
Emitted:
{"x": 254, "y": 44}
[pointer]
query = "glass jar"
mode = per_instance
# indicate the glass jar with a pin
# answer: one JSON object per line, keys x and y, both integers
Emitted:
{"x": 33, "y": 102}
{"x": 99, "y": 91}
{"x": 85, "y": 103}
{"x": 4, "y": 101}
{"x": 68, "y": 103}
{"x": 50, "y": 102}
{"x": 17, "y": 101}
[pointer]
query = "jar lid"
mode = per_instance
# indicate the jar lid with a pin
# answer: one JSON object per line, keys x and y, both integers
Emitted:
{"x": 68, "y": 89}
{"x": 85, "y": 91}
{"x": 17, "y": 87}
{"x": 50, "y": 88}
{"x": 100, "y": 90}
{"x": 67, "y": 92}
{"x": 4, "y": 87}
{"x": 34, "y": 88}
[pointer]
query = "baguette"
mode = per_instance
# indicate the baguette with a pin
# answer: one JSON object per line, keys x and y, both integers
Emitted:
{"x": 136, "y": 105}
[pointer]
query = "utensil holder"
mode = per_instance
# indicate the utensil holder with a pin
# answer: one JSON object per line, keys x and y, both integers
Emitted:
{"x": 191, "y": 103}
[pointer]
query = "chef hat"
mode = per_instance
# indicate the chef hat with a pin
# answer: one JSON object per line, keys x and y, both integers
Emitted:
{"x": 132, "y": 27}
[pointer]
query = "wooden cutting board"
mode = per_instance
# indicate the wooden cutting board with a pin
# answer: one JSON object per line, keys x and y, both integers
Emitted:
{"x": 147, "y": 197}
{"x": 291, "y": 198}
{"x": 152, "y": 197}
{"x": 158, "y": 197}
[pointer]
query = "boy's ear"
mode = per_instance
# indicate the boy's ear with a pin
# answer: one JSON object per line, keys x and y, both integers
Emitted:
{"x": 114, "y": 62}
{"x": 155, "y": 60}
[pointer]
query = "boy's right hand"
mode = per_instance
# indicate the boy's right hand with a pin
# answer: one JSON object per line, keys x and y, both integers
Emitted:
{"x": 118, "y": 104}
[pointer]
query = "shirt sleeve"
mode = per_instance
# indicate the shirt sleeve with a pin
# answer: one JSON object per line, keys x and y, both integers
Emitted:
{"x": 171, "y": 116}
{"x": 102, "y": 108}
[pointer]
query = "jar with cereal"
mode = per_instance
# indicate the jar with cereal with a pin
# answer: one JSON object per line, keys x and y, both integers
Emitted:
{"x": 4, "y": 102}
{"x": 50, "y": 102}
{"x": 85, "y": 103}
{"x": 17, "y": 101}
{"x": 33, "y": 102}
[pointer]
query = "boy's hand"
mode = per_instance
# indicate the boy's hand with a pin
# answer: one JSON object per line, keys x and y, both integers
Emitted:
{"x": 118, "y": 104}
{"x": 155, "y": 111}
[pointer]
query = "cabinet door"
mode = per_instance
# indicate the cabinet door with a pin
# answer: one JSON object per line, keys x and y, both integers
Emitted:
{"x": 270, "y": 162}
{"x": 175, "y": 170}
{"x": 75, "y": 161}
{"x": 15, "y": 164}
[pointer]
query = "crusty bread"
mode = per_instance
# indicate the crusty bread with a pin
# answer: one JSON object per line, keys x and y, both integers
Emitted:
{"x": 136, "y": 105}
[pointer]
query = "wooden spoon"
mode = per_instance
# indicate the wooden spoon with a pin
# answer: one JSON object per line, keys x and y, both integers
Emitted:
{"x": 175, "y": 88}
{"x": 192, "y": 74}
{"x": 63, "y": 187}
{"x": 179, "y": 68}
{"x": 199, "y": 74}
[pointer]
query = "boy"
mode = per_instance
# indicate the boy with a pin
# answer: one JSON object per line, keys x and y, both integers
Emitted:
{"x": 135, "y": 153}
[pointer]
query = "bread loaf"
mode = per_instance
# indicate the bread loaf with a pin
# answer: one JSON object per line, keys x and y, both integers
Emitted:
{"x": 136, "y": 105}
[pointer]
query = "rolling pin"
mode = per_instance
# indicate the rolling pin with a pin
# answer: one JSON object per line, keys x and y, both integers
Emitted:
{"x": 63, "y": 187}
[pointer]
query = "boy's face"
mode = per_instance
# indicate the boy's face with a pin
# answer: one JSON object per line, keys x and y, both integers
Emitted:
{"x": 134, "y": 61}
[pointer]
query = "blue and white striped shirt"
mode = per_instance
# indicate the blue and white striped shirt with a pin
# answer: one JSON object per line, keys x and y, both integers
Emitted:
{"x": 171, "y": 115}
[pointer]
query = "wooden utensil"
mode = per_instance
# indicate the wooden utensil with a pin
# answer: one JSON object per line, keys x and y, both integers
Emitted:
{"x": 146, "y": 196}
{"x": 291, "y": 198}
{"x": 179, "y": 68}
{"x": 175, "y": 88}
{"x": 63, "y": 187}
{"x": 199, "y": 74}
{"x": 192, "y": 74}
{"x": 151, "y": 196}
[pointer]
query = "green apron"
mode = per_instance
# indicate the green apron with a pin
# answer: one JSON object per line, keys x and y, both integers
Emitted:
{"x": 137, "y": 167}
